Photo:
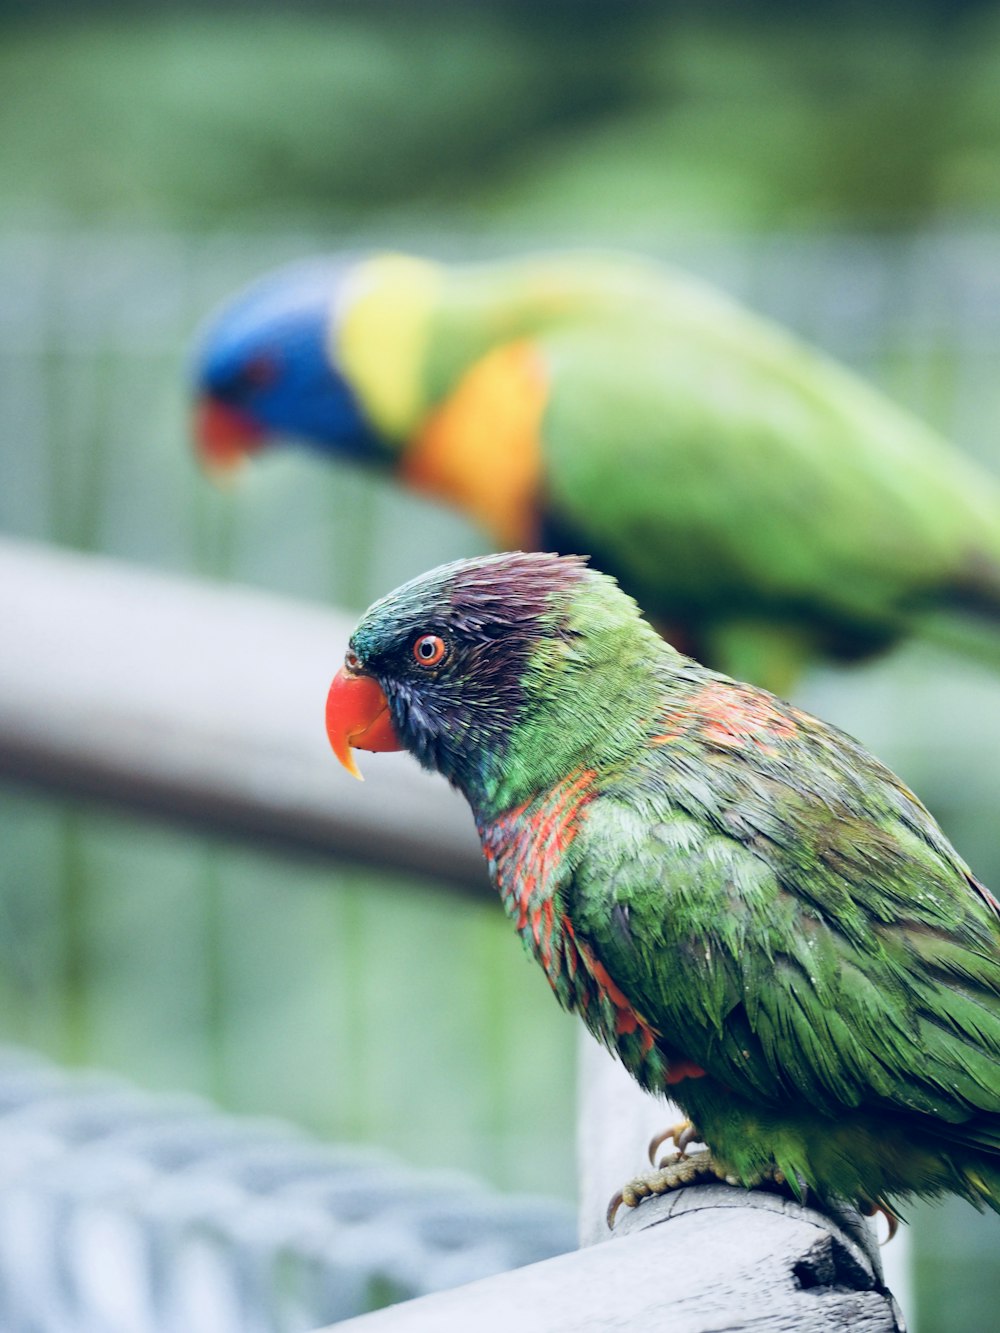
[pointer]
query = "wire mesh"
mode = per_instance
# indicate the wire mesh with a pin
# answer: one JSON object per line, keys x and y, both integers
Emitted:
{"x": 123, "y": 1212}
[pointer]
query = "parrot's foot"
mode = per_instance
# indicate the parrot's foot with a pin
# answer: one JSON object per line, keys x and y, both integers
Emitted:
{"x": 676, "y": 1173}
{"x": 683, "y": 1134}
{"x": 891, "y": 1220}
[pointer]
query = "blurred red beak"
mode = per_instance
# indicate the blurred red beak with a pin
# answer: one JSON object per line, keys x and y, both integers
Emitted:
{"x": 357, "y": 718}
{"x": 224, "y": 436}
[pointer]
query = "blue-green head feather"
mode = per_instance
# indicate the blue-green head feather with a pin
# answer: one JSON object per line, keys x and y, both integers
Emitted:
{"x": 536, "y": 670}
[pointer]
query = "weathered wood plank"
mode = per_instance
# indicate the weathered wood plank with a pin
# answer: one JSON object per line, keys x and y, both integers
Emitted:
{"x": 204, "y": 703}
{"x": 703, "y": 1260}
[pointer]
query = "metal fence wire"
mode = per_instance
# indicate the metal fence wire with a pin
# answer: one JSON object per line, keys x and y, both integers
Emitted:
{"x": 122, "y": 1212}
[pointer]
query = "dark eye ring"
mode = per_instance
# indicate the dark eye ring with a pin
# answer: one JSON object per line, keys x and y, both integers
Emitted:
{"x": 259, "y": 372}
{"x": 429, "y": 649}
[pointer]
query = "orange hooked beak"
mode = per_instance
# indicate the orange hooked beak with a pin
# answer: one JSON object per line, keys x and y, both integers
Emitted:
{"x": 224, "y": 436}
{"x": 357, "y": 718}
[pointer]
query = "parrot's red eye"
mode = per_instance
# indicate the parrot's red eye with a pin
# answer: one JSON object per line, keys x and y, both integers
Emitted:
{"x": 429, "y": 649}
{"x": 352, "y": 661}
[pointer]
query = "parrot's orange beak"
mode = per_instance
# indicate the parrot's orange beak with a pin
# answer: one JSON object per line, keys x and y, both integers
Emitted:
{"x": 224, "y": 436}
{"x": 357, "y": 718}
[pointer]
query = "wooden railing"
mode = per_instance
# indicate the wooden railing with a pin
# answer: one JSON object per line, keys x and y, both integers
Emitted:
{"x": 202, "y": 702}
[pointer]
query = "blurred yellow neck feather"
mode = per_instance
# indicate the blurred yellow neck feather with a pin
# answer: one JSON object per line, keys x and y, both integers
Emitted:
{"x": 381, "y": 332}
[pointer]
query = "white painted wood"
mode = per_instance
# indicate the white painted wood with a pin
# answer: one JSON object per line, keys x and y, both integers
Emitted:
{"x": 615, "y": 1123}
{"x": 699, "y": 1261}
{"x": 203, "y": 702}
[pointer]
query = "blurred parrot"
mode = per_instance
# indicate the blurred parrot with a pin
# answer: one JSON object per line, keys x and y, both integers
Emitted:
{"x": 740, "y": 901}
{"x": 764, "y": 506}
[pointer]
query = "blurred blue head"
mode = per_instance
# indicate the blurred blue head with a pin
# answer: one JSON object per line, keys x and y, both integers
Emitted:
{"x": 263, "y": 368}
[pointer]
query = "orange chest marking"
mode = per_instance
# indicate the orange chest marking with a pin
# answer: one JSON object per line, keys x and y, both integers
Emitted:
{"x": 525, "y": 849}
{"x": 626, "y": 1019}
{"x": 481, "y": 448}
{"x": 530, "y": 843}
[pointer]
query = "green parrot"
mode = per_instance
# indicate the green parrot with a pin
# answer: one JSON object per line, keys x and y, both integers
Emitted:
{"x": 765, "y": 507}
{"x": 740, "y": 901}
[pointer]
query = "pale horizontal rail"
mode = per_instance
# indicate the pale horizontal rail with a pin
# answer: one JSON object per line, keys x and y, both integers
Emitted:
{"x": 705, "y": 1259}
{"x": 203, "y": 702}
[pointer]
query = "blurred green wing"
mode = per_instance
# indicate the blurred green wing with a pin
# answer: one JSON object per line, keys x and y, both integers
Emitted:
{"x": 718, "y": 463}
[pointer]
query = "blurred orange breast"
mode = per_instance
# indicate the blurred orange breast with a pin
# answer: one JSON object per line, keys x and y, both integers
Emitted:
{"x": 481, "y": 447}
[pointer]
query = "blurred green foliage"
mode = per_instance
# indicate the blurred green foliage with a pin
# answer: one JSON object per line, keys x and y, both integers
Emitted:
{"x": 640, "y": 119}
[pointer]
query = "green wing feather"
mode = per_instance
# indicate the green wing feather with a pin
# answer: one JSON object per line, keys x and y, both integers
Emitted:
{"x": 819, "y": 948}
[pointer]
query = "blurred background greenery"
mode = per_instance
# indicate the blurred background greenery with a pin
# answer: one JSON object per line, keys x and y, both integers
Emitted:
{"x": 836, "y": 167}
{"x": 638, "y": 117}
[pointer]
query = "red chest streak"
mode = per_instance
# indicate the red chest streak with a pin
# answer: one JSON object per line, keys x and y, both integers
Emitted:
{"x": 527, "y": 847}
